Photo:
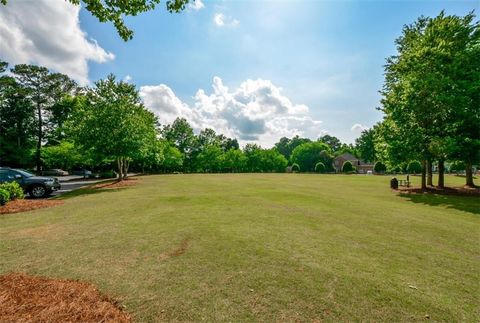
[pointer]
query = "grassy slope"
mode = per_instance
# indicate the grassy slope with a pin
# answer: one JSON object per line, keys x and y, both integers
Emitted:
{"x": 261, "y": 247}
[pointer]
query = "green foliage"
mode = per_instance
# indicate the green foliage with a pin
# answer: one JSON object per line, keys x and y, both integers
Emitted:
{"x": 347, "y": 167}
{"x": 333, "y": 142}
{"x": 457, "y": 166}
{"x": 320, "y": 167}
{"x": 308, "y": 154}
{"x": 414, "y": 167}
{"x": 234, "y": 160}
{"x": 365, "y": 145}
{"x": 432, "y": 90}
{"x": 108, "y": 174}
{"x": 14, "y": 189}
{"x": 285, "y": 146}
{"x": 173, "y": 159}
{"x": 210, "y": 158}
{"x": 379, "y": 167}
{"x": 113, "y": 124}
{"x": 4, "y": 196}
{"x": 295, "y": 167}
{"x": 64, "y": 155}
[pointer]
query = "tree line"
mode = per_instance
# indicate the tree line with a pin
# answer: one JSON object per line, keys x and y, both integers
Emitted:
{"x": 48, "y": 121}
{"x": 430, "y": 102}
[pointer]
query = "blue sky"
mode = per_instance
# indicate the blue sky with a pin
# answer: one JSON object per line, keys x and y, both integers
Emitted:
{"x": 326, "y": 56}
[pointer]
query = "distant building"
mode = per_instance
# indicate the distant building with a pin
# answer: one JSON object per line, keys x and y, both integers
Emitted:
{"x": 359, "y": 164}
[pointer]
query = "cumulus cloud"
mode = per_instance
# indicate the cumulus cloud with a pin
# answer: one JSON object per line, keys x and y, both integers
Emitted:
{"x": 358, "y": 127}
{"x": 255, "y": 111}
{"x": 196, "y": 5}
{"x": 221, "y": 20}
{"x": 48, "y": 33}
{"x": 127, "y": 78}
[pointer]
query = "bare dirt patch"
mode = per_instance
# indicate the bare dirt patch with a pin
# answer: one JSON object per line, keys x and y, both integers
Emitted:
{"x": 462, "y": 191}
{"x": 25, "y": 298}
{"x": 178, "y": 251}
{"x": 27, "y": 205}
{"x": 117, "y": 184}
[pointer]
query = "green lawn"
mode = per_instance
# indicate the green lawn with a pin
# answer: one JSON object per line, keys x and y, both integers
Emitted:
{"x": 261, "y": 247}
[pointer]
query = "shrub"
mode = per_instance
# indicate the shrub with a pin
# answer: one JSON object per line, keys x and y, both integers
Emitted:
{"x": 108, "y": 174}
{"x": 347, "y": 167}
{"x": 414, "y": 167}
{"x": 320, "y": 167}
{"x": 295, "y": 168}
{"x": 457, "y": 166}
{"x": 14, "y": 189}
{"x": 379, "y": 167}
{"x": 4, "y": 196}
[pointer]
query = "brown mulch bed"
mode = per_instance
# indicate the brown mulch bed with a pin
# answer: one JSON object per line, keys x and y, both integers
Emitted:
{"x": 461, "y": 191}
{"x": 27, "y": 205}
{"x": 25, "y": 298}
{"x": 117, "y": 184}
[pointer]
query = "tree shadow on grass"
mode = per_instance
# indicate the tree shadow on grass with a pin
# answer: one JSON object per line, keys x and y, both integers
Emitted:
{"x": 469, "y": 204}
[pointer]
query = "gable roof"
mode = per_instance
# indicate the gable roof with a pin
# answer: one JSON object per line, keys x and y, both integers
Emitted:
{"x": 347, "y": 156}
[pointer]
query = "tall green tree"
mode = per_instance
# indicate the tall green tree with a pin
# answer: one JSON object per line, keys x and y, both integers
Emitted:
{"x": 308, "y": 154}
{"x": 43, "y": 90}
{"x": 333, "y": 142}
{"x": 17, "y": 122}
{"x": 113, "y": 124}
{"x": 423, "y": 83}
{"x": 365, "y": 145}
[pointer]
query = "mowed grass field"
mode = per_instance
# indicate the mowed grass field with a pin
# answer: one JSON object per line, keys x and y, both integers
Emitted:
{"x": 261, "y": 247}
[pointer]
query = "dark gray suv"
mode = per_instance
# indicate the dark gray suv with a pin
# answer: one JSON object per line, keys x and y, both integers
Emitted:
{"x": 36, "y": 186}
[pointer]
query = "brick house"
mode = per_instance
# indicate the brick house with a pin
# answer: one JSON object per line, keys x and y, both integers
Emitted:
{"x": 359, "y": 164}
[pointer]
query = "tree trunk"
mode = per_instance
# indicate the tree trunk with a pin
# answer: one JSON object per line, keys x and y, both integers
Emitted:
{"x": 441, "y": 172}
{"x": 38, "y": 156}
{"x": 120, "y": 168}
{"x": 126, "y": 163}
{"x": 429, "y": 173}
{"x": 469, "y": 174}
{"x": 424, "y": 174}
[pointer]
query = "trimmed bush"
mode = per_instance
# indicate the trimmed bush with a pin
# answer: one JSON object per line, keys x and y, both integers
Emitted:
{"x": 295, "y": 168}
{"x": 320, "y": 167}
{"x": 457, "y": 166}
{"x": 4, "y": 196}
{"x": 379, "y": 167}
{"x": 347, "y": 167}
{"x": 414, "y": 167}
{"x": 14, "y": 189}
{"x": 108, "y": 174}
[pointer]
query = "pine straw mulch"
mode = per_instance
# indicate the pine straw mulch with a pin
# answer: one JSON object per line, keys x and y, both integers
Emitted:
{"x": 25, "y": 298}
{"x": 459, "y": 191}
{"x": 27, "y": 205}
{"x": 116, "y": 184}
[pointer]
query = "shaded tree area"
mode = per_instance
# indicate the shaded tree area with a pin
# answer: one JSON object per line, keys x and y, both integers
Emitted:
{"x": 431, "y": 97}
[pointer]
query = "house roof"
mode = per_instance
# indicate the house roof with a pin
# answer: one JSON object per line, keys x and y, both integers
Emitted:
{"x": 347, "y": 156}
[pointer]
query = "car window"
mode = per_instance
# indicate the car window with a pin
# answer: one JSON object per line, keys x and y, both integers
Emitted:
{"x": 24, "y": 173}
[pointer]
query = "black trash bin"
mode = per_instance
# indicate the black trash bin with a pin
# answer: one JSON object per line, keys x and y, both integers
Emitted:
{"x": 394, "y": 183}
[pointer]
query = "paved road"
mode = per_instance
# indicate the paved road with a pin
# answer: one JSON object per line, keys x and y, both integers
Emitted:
{"x": 74, "y": 182}
{"x": 71, "y": 183}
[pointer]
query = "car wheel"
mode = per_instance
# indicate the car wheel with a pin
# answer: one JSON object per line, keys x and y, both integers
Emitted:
{"x": 38, "y": 191}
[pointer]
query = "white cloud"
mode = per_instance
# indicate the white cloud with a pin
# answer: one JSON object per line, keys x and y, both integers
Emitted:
{"x": 127, "y": 78}
{"x": 196, "y": 5}
{"x": 48, "y": 33}
{"x": 255, "y": 111}
{"x": 223, "y": 21}
{"x": 358, "y": 128}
